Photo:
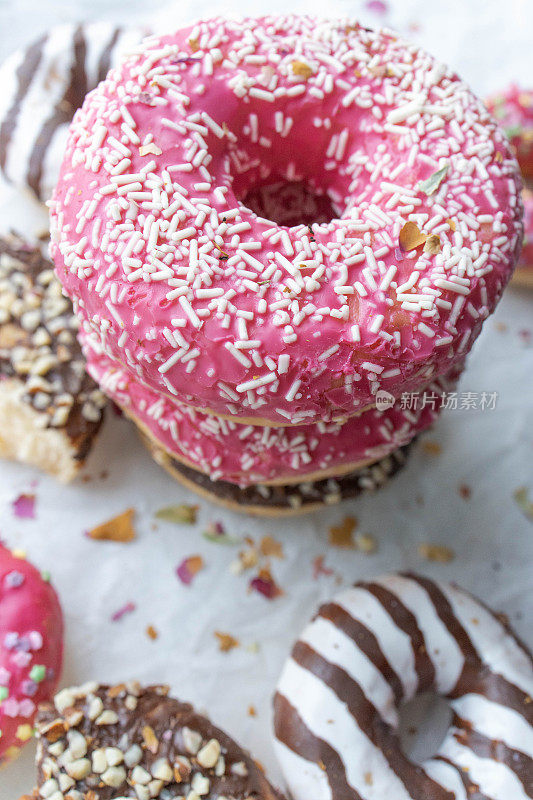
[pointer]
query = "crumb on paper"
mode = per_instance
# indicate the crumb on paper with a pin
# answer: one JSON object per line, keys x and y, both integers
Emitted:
{"x": 342, "y": 535}
{"x": 436, "y": 552}
{"x": 366, "y": 543}
{"x": 523, "y": 502}
{"x": 152, "y": 633}
{"x": 431, "y": 448}
{"x": 189, "y": 568}
{"x": 226, "y": 641}
{"x": 465, "y": 491}
{"x": 252, "y": 711}
{"x": 117, "y": 529}
{"x": 270, "y": 547}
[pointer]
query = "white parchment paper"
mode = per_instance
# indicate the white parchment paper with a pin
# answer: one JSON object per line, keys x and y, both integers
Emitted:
{"x": 487, "y": 452}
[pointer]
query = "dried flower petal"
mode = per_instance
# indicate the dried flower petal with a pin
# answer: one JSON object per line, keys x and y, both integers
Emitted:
{"x": 24, "y": 506}
{"x": 431, "y": 185}
{"x": 432, "y": 245}
{"x": 270, "y": 547}
{"x": 226, "y": 641}
{"x": 342, "y": 535}
{"x": 436, "y": 552}
{"x": 188, "y": 568}
{"x": 523, "y": 502}
{"x": 152, "y": 633}
{"x": 117, "y": 529}
{"x": 265, "y": 584}
{"x": 182, "y": 514}
{"x": 215, "y": 532}
{"x": 411, "y": 237}
{"x": 320, "y": 569}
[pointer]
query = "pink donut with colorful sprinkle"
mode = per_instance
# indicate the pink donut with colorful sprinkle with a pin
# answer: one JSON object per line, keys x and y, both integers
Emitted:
{"x": 514, "y": 111}
{"x": 31, "y": 649}
{"x": 251, "y": 454}
{"x": 200, "y": 298}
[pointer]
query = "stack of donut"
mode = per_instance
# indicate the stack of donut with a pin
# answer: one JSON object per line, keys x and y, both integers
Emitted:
{"x": 514, "y": 111}
{"x": 265, "y": 358}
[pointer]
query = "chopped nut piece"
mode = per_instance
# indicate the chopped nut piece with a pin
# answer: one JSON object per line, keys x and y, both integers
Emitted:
{"x": 192, "y": 740}
{"x": 151, "y": 741}
{"x": 78, "y": 769}
{"x": 208, "y": 756}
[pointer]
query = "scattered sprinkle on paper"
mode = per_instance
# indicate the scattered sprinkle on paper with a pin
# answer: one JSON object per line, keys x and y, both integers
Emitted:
{"x": 152, "y": 633}
{"x": 24, "y": 506}
{"x": 431, "y": 185}
{"x": 226, "y": 641}
{"x": 342, "y": 535}
{"x": 117, "y": 529}
{"x": 270, "y": 547}
{"x": 181, "y": 514}
{"x": 265, "y": 584}
{"x": 436, "y": 552}
{"x": 411, "y": 237}
{"x": 188, "y": 568}
{"x": 121, "y": 612}
{"x": 215, "y": 532}
{"x": 523, "y": 502}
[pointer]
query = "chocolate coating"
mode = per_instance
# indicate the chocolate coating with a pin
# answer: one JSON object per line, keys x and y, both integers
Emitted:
{"x": 105, "y": 742}
{"x": 38, "y": 345}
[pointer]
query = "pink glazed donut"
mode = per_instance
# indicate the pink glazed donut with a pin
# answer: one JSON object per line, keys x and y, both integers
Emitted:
{"x": 239, "y": 316}
{"x": 251, "y": 454}
{"x": 31, "y": 649}
{"x": 514, "y": 111}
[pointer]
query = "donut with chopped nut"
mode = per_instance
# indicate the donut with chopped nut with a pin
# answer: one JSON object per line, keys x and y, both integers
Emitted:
{"x": 31, "y": 649}
{"x": 103, "y": 742}
{"x": 42, "y": 86}
{"x": 241, "y": 316}
{"x": 50, "y": 409}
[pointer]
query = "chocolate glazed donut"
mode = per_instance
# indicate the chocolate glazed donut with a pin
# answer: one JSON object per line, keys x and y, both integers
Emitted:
{"x": 104, "y": 742}
{"x": 376, "y": 646}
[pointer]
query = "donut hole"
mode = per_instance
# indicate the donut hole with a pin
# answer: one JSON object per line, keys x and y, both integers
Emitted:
{"x": 424, "y": 722}
{"x": 290, "y": 203}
